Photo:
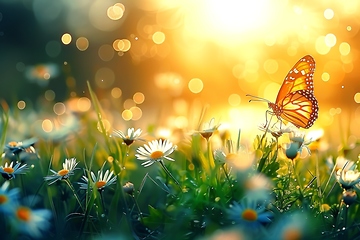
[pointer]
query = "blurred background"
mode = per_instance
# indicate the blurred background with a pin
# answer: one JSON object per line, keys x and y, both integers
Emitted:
{"x": 161, "y": 62}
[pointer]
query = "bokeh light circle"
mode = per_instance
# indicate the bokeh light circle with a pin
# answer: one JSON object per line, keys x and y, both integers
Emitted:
{"x": 158, "y": 37}
{"x": 82, "y": 43}
{"x": 139, "y": 98}
{"x": 66, "y": 38}
{"x": 234, "y": 100}
{"x": 83, "y": 104}
{"x": 357, "y": 97}
{"x": 53, "y": 48}
{"x": 59, "y": 108}
{"x": 127, "y": 115}
{"x": 344, "y": 48}
{"x": 104, "y": 77}
{"x": 271, "y": 66}
{"x": 106, "y": 52}
{"x": 116, "y": 92}
{"x": 196, "y": 85}
{"x": 328, "y": 13}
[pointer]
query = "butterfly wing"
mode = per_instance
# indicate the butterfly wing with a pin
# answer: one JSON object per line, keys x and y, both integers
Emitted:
{"x": 300, "y": 108}
{"x": 295, "y": 101}
{"x": 300, "y": 77}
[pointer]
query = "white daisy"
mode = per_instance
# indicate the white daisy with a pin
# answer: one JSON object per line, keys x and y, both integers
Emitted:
{"x": 277, "y": 132}
{"x": 349, "y": 179}
{"x": 68, "y": 169}
{"x": 8, "y": 198}
{"x": 31, "y": 222}
{"x": 100, "y": 181}
{"x": 341, "y": 164}
{"x": 155, "y": 151}
{"x": 26, "y": 146}
{"x": 130, "y": 137}
{"x": 208, "y": 129}
{"x": 249, "y": 215}
{"x": 9, "y": 172}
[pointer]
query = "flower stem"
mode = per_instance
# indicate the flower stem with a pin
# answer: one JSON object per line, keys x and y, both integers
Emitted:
{"x": 168, "y": 173}
{"x": 318, "y": 176}
{"x": 102, "y": 201}
{"x": 74, "y": 192}
{"x": 138, "y": 207}
{"x": 297, "y": 176}
{"x": 226, "y": 174}
{"x": 228, "y": 179}
{"x": 266, "y": 130}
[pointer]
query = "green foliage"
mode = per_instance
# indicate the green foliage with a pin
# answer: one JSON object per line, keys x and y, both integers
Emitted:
{"x": 186, "y": 199}
{"x": 268, "y": 163}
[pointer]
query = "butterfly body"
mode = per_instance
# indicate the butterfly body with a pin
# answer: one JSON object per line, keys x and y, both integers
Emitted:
{"x": 295, "y": 101}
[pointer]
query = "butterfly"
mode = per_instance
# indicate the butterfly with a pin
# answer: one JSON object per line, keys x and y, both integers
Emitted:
{"x": 295, "y": 101}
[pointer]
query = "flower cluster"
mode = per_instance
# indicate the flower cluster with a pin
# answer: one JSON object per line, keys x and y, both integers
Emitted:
{"x": 202, "y": 185}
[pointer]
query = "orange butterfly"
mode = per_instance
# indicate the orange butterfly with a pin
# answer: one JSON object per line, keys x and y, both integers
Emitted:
{"x": 295, "y": 101}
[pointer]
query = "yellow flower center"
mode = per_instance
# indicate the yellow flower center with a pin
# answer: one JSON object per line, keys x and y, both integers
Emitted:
{"x": 12, "y": 144}
{"x": 291, "y": 234}
{"x": 23, "y": 213}
{"x": 8, "y": 170}
{"x": 100, "y": 184}
{"x": 157, "y": 154}
{"x": 3, "y": 199}
{"x": 63, "y": 172}
{"x": 249, "y": 215}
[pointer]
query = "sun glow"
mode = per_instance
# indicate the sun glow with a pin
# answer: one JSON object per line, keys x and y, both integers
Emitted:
{"x": 235, "y": 22}
{"x": 228, "y": 18}
{"x": 233, "y": 16}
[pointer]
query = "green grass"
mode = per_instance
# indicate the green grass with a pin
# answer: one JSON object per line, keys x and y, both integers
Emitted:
{"x": 186, "y": 199}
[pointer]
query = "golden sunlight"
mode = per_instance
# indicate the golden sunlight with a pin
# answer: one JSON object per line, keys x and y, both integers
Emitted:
{"x": 233, "y": 16}
{"x": 234, "y": 22}
{"x": 226, "y": 19}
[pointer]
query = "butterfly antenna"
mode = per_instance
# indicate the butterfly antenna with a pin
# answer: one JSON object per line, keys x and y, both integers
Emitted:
{"x": 256, "y": 98}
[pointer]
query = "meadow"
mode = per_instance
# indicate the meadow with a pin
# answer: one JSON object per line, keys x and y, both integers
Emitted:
{"x": 89, "y": 181}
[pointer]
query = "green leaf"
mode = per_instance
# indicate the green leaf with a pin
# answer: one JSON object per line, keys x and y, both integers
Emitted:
{"x": 155, "y": 218}
{"x": 155, "y": 213}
